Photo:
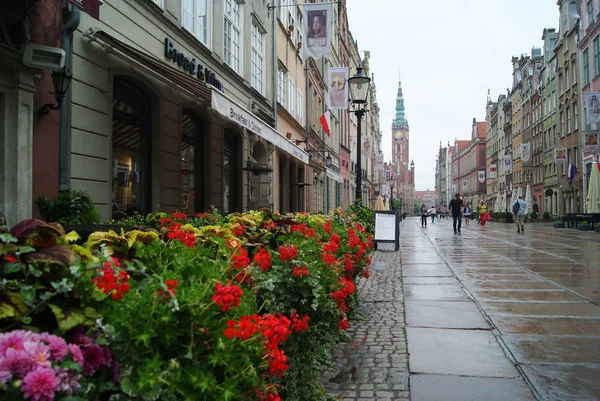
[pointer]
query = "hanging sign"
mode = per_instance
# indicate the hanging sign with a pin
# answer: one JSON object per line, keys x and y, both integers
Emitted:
{"x": 464, "y": 184}
{"x": 481, "y": 176}
{"x": 525, "y": 152}
{"x": 590, "y": 141}
{"x": 507, "y": 163}
{"x": 317, "y": 25}
{"x": 560, "y": 155}
{"x": 592, "y": 106}
{"x": 493, "y": 171}
{"x": 379, "y": 162}
{"x": 338, "y": 88}
{"x": 366, "y": 146}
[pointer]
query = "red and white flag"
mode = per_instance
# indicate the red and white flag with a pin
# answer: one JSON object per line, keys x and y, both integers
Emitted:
{"x": 324, "y": 120}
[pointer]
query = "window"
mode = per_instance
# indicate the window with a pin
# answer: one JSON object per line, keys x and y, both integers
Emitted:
{"x": 160, "y": 3}
{"x": 568, "y": 120}
{"x": 568, "y": 79}
{"x": 590, "y": 12}
{"x": 291, "y": 94}
{"x": 281, "y": 87}
{"x": 197, "y": 25}
{"x": 258, "y": 58}
{"x": 562, "y": 124}
{"x": 574, "y": 71}
{"x": 586, "y": 67}
{"x": 300, "y": 114}
{"x": 283, "y": 11}
{"x": 596, "y": 56}
{"x": 575, "y": 116}
{"x": 299, "y": 25}
{"x": 232, "y": 35}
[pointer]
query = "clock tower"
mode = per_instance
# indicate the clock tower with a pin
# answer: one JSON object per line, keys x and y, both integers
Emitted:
{"x": 404, "y": 188}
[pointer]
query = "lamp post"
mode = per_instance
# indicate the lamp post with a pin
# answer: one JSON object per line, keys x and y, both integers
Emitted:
{"x": 359, "y": 86}
{"x": 391, "y": 180}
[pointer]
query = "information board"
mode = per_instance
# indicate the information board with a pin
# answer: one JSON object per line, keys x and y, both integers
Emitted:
{"x": 386, "y": 227}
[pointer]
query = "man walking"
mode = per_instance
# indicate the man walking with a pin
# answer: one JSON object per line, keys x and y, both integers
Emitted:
{"x": 456, "y": 206}
{"x": 519, "y": 212}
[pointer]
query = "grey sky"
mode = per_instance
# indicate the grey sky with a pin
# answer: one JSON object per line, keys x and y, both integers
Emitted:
{"x": 450, "y": 52}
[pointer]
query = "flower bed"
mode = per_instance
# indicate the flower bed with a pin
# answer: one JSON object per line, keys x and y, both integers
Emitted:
{"x": 240, "y": 307}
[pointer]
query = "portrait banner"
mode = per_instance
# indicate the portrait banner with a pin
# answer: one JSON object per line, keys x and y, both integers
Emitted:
{"x": 481, "y": 176}
{"x": 525, "y": 152}
{"x": 338, "y": 88}
{"x": 317, "y": 25}
{"x": 592, "y": 106}
{"x": 560, "y": 155}
{"x": 493, "y": 171}
{"x": 379, "y": 162}
{"x": 464, "y": 184}
{"x": 590, "y": 141}
{"x": 507, "y": 163}
{"x": 366, "y": 144}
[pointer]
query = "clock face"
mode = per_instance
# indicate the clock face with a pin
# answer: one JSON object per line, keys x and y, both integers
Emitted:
{"x": 398, "y": 135}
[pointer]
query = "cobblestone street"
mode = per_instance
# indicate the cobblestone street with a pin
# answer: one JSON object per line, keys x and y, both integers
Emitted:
{"x": 486, "y": 315}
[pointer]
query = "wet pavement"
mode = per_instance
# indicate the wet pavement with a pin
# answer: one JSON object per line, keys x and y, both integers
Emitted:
{"x": 487, "y": 315}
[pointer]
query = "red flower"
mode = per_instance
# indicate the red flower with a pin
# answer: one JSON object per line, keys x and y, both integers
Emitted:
{"x": 335, "y": 238}
{"x": 110, "y": 283}
{"x": 165, "y": 221}
{"x": 310, "y": 232}
{"x": 368, "y": 260}
{"x": 171, "y": 285}
{"x": 239, "y": 230}
{"x": 328, "y": 258}
{"x": 10, "y": 259}
{"x": 263, "y": 259}
{"x": 344, "y": 324}
{"x": 277, "y": 363}
{"x": 288, "y": 252}
{"x": 327, "y": 227}
{"x": 202, "y": 215}
{"x": 240, "y": 259}
{"x": 227, "y": 296}
{"x": 300, "y": 271}
{"x": 180, "y": 216}
{"x": 331, "y": 247}
{"x": 186, "y": 237}
{"x": 348, "y": 263}
{"x": 299, "y": 325}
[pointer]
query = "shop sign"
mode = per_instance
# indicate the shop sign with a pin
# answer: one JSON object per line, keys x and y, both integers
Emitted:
{"x": 191, "y": 66}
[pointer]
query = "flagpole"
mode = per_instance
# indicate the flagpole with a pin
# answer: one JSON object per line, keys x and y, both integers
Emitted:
{"x": 584, "y": 174}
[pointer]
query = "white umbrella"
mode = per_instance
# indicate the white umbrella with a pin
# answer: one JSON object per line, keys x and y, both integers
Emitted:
{"x": 503, "y": 202}
{"x": 593, "y": 199}
{"x": 528, "y": 200}
{"x": 519, "y": 193}
{"x": 498, "y": 207}
{"x": 385, "y": 204}
{"x": 379, "y": 203}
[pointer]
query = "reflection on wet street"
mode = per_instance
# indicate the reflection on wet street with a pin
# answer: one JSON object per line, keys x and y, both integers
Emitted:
{"x": 494, "y": 309}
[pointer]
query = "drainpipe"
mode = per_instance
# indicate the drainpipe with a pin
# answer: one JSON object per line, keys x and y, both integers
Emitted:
{"x": 64, "y": 138}
{"x": 275, "y": 69}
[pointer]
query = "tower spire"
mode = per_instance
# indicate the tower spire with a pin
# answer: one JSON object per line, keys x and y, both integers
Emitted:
{"x": 400, "y": 121}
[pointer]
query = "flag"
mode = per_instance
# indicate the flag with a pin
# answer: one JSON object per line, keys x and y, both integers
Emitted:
{"x": 573, "y": 170}
{"x": 324, "y": 120}
{"x": 317, "y": 24}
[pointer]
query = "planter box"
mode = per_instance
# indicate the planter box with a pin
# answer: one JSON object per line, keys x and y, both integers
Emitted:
{"x": 584, "y": 227}
{"x": 558, "y": 224}
{"x": 597, "y": 229}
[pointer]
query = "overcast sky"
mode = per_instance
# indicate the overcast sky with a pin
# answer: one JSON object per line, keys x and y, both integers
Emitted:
{"x": 449, "y": 52}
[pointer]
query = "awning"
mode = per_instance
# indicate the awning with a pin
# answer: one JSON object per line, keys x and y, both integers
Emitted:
{"x": 238, "y": 114}
{"x": 334, "y": 176}
{"x": 150, "y": 64}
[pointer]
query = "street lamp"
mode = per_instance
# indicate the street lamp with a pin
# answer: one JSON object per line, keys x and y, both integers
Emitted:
{"x": 359, "y": 86}
{"x": 391, "y": 182}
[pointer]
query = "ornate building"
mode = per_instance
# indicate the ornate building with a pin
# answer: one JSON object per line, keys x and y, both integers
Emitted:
{"x": 404, "y": 174}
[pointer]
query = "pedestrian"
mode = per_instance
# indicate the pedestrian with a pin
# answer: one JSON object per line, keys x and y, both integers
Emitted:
{"x": 467, "y": 213}
{"x": 432, "y": 212}
{"x": 482, "y": 213}
{"x": 456, "y": 205}
{"x": 423, "y": 216}
{"x": 519, "y": 211}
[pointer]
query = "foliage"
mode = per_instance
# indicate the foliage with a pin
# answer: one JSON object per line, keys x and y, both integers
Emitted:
{"x": 396, "y": 204}
{"x": 71, "y": 207}
{"x": 503, "y": 217}
{"x": 546, "y": 215}
{"x": 534, "y": 215}
{"x": 209, "y": 307}
{"x": 363, "y": 215}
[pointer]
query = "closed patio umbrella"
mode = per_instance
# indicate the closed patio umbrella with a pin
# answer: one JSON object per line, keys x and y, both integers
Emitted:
{"x": 499, "y": 205}
{"x": 386, "y": 204}
{"x": 379, "y": 203}
{"x": 528, "y": 200}
{"x": 593, "y": 198}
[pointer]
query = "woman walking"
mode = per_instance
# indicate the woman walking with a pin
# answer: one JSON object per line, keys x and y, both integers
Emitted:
{"x": 482, "y": 213}
{"x": 467, "y": 213}
{"x": 423, "y": 216}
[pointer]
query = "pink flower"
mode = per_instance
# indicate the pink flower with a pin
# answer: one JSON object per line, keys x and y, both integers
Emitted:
{"x": 16, "y": 361}
{"x": 5, "y": 376}
{"x": 69, "y": 380}
{"x": 58, "y": 346}
{"x": 94, "y": 358}
{"x": 77, "y": 354}
{"x": 39, "y": 353}
{"x": 14, "y": 340}
{"x": 40, "y": 385}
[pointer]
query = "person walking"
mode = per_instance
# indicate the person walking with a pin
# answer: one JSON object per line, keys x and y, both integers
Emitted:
{"x": 456, "y": 205}
{"x": 423, "y": 216}
{"x": 482, "y": 213}
{"x": 467, "y": 213}
{"x": 433, "y": 213}
{"x": 519, "y": 212}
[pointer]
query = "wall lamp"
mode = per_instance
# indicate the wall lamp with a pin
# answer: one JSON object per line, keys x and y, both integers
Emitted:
{"x": 324, "y": 152}
{"x": 61, "y": 80}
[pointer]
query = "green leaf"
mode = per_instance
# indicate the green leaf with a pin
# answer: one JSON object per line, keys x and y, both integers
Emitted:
{"x": 26, "y": 319}
{"x": 6, "y": 311}
{"x": 11, "y": 268}
{"x": 71, "y": 365}
{"x": 35, "y": 272}
{"x": 101, "y": 341}
{"x": 144, "y": 284}
{"x": 66, "y": 319}
{"x": 6, "y": 238}
{"x": 24, "y": 249}
{"x": 72, "y": 398}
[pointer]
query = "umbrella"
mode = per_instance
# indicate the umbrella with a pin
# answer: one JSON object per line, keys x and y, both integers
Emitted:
{"x": 519, "y": 193}
{"x": 379, "y": 204}
{"x": 385, "y": 204}
{"x": 503, "y": 201}
{"x": 593, "y": 197}
{"x": 498, "y": 205}
{"x": 528, "y": 200}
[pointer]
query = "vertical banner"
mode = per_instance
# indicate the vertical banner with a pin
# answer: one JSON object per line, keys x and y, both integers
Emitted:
{"x": 453, "y": 189}
{"x": 366, "y": 144}
{"x": 590, "y": 141}
{"x": 481, "y": 176}
{"x": 464, "y": 184}
{"x": 388, "y": 174}
{"x": 493, "y": 171}
{"x": 338, "y": 88}
{"x": 525, "y": 152}
{"x": 560, "y": 155}
{"x": 317, "y": 25}
{"x": 507, "y": 163}
{"x": 379, "y": 162}
{"x": 592, "y": 105}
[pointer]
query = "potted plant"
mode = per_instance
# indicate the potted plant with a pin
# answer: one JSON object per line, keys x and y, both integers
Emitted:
{"x": 558, "y": 224}
{"x": 584, "y": 226}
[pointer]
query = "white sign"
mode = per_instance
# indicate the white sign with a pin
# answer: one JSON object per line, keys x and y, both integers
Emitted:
{"x": 317, "y": 25}
{"x": 243, "y": 117}
{"x": 481, "y": 176}
{"x": 338, "y": 88}
{"x": 592, "y": 106}
{"x": 334, "y": 176}
{"x": 508, "y": 163}
{"x": 379, "y": 162}
{"x": 464, "y": 184}
{"x": 590, "y": 141}
{"x": 385, "y": 227}
{"x": 493, "y": 171}
{"x": 525, "y": 152}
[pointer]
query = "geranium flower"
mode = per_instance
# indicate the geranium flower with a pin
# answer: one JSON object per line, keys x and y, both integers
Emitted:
{"x": 277, "y": 363}
{"x": 239, "y": 230}
{"x": 299, "y": 325}
{"x": 240, "y": 259}
{"x": 10, "y": 259}
{"x": 300, "y": 271}
{"x": 180, "y": 216}
{"x": 344, "y": 324}
{"x": 288, "y": 252}
{"x": 171, "y": 285}
{"x": 335, "y": 238}
{"x": 227, "y": 296}
{"x": 331, "y": 247}
{"x": 263, "y": 259}
{"x": 328, "y": 258}
{"x": 40, "y": 384}
{"x": 327, "y": 227}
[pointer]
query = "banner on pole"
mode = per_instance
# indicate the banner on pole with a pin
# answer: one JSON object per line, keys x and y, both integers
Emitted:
{"x": 317, "y": 25}
{"x": 560, "y": 155}
{"x": 525, "y": 152}
{"x": 338, "y": 88}
{"x": 493, "y": 171}
{"x": 481, "y": 176}
{"x": 507, "y": 163}
{"x": 592, "y": 106}
{"x": 366, "y": 145}
{"x": 590, "y": 141}
{"x": 379, "y": 162}
{"x": 464, "y": 184}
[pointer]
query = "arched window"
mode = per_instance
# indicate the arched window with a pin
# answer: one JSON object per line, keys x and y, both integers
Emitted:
{"x": 231, "y": 173}
{"x": 192, "y": 180}
{"x": 131, "y": 149}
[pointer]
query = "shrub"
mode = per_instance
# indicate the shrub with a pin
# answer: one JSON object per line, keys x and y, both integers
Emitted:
{"x": 533, "y": 215}
{"x": 71, "y": 207}
{"x": 546, "y": 215}
{"x": 363, "y": 215}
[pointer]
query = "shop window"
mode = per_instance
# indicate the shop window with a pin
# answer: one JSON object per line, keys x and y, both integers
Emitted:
{"x": 131, "y": 149}
{"x": 192, "y": 128}
{"x": 231, "y": 173}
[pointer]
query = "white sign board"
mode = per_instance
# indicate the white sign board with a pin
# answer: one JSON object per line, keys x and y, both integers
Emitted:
{"x": 385, "y": 227}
